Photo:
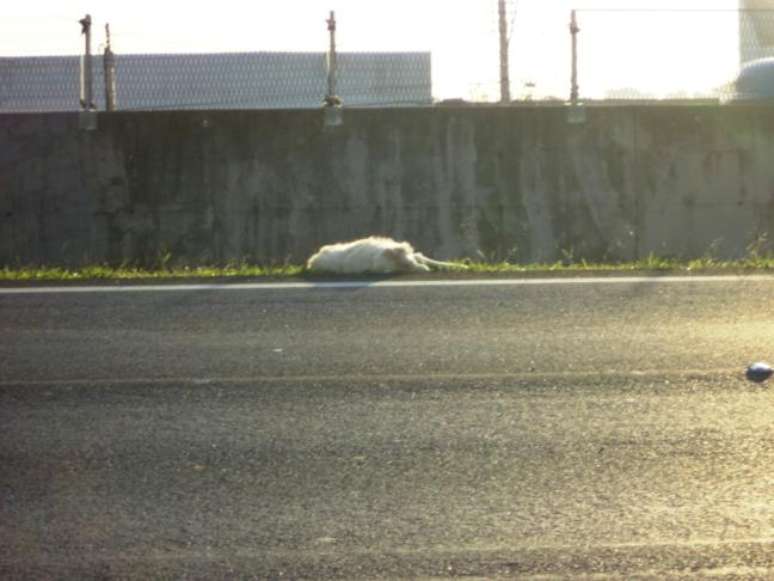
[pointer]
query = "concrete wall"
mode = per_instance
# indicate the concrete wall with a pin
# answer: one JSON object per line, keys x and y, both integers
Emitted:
{"x": 266, "y": 186}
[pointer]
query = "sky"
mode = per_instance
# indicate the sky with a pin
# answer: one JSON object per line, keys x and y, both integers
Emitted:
{"x": 672, "y": 47}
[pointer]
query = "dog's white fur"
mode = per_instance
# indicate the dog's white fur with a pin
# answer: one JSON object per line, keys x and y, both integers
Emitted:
{"x": 373, "y": 255}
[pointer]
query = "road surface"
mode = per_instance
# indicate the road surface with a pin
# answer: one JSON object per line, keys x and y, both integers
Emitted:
{"x": 600, "y": 428}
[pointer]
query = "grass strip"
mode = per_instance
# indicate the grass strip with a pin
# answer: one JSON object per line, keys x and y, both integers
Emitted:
{"x": 649, "y": 264}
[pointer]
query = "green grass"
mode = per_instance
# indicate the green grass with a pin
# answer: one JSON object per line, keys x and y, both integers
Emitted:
{"x": 650, "y": 263}
{"x": 754, "y": 262}
{"x": 101, "y": 272}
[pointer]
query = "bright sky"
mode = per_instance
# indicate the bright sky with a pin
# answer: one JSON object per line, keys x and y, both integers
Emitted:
{"x": 658, "y": 52}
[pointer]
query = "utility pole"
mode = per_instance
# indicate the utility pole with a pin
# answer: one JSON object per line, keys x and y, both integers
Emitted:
{"x": 109, "y": 63}
{"x": 87, "y": 80}
{"x": 505, "y": 82}
{"x": 574, "y": 30}
{"x": 331, "y": 99}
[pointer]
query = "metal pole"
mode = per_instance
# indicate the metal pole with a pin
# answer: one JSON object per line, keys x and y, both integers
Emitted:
{"x": 505, "y": 83}
{"x": 574, "y": 30}
{"x": 109, "y": 63}
{"x": 331, "y": 99}
{"x": 87, "y": 94}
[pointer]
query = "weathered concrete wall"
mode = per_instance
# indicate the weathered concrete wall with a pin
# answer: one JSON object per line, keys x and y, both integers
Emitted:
{"x": 266, "y": 186}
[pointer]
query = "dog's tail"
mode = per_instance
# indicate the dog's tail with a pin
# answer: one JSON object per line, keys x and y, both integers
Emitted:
{"x": 422, "y": 259}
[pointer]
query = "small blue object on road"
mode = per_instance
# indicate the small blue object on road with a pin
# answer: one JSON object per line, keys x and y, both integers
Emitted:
{"x": 759, "y": 372}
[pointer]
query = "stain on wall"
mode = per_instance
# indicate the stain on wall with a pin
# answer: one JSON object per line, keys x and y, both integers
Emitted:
{"x": 516, "y": 183}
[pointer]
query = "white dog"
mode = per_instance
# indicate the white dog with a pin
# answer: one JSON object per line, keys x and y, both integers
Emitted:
{"x": 373, "y": 255}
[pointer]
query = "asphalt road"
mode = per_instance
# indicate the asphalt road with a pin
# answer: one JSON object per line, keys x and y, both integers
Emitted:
{"x": 514, "y": 430}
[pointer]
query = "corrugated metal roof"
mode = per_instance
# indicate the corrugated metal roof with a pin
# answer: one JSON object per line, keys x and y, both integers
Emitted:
{"x": 218, "y": 81}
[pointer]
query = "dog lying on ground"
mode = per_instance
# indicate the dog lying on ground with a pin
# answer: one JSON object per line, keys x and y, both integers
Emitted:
{"x": 374, "y": 255}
